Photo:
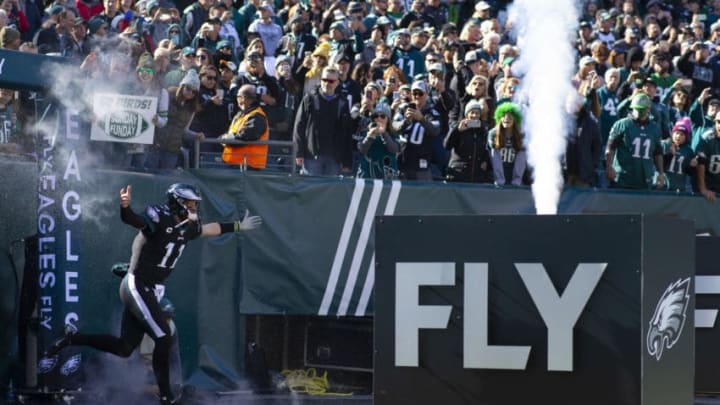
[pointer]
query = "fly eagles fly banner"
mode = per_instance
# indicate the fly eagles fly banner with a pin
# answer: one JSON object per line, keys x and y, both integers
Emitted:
{"x": 513, "y": 310}
{"x": 59, "y": 240}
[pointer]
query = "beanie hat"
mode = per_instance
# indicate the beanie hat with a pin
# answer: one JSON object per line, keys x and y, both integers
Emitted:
{"x": 95, "y": 24}
{"x": 223, "y": 44}
{"x": 375, "y": 86}
{"x": 282, "y": 59}
{"x": 683, "y": 125}
{"x": 191, "y": 80}
{"x": 382, "y": 108}
{"x": 8, "y": 35}
{"x": 472, "y": 105}
{"x": 509, "y": 107}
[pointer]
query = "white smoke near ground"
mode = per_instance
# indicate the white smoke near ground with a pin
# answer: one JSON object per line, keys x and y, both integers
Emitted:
{"x": 545, "y": 31}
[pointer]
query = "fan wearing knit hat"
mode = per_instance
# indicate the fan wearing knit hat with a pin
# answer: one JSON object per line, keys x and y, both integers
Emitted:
{"x": 678, "y": 155}
{"x": 97, "y": 27}
{"x": 191, "y": 80}
{"x": 467, "y": 143}
{"x": 379, "y": 148}
{"x": 182, "y": 106}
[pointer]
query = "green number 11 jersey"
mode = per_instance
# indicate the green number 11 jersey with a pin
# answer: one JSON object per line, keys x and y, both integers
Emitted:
{"x": 635, "y": 148}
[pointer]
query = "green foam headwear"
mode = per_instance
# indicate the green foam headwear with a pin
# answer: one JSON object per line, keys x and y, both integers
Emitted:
{"x": 508, "y": 107}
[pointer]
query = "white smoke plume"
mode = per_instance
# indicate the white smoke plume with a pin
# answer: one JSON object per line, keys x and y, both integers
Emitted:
{"x": 545, "y": 31}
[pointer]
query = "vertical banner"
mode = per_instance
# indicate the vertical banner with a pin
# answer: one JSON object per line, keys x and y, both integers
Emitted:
{"x": 59, "y": 259}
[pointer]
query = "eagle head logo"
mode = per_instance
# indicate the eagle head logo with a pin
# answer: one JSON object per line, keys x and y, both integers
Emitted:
{"x": 71, "y": 365}
{"x": 46, "y": 364}
{"x": 667, "y": 323}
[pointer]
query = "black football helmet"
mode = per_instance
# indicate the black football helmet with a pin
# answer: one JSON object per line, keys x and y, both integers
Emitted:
{"x": 178, "y": 194}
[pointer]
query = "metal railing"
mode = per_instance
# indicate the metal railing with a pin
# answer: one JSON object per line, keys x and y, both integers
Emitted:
{"x": 280, "y": 158}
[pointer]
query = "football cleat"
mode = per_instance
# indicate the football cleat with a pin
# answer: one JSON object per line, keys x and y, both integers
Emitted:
{"x": 120, "y": 269}
{"x": 164, "y": 400}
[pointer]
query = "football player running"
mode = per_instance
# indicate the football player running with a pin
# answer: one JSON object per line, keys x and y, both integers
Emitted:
{"x": 165, "y": 229}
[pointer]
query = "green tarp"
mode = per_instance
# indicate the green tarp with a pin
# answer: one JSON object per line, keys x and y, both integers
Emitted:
{"x": 313, "y": 255}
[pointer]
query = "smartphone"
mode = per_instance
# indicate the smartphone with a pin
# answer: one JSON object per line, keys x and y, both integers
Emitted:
{"x": 396, "y": 95}
{"x": 687, "y": 83}
{"x": 412, "y": 105}
{"x": 220, "y": 92}
{"x": 474, "y": 124}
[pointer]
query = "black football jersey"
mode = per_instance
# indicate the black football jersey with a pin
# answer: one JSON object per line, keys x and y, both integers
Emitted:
{"x": 165, "y": 242}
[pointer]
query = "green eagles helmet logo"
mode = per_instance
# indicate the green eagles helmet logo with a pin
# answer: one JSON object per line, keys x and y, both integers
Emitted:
{"x": 640, "y": 102}
{"x": 123, "y": 124}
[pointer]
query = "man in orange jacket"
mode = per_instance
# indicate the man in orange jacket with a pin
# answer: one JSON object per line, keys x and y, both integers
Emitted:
{"x": 249, "y": 124}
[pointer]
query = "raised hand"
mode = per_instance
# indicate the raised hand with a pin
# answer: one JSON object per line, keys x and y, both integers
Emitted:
{"x": 248, "y": 222}
{"x": 125, "y": 196}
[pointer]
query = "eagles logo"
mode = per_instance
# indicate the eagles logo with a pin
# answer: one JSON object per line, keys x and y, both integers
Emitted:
{"x": 667, "y": 323}
{"x": 46, "y": 364}
{"x": 71, "y": 365}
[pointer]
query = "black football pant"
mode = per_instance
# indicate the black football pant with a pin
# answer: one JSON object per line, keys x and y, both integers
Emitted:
{"x": 142, "y": 315}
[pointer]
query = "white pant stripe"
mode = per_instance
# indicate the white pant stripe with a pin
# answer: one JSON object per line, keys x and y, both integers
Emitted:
{"x": 143, "y": 308}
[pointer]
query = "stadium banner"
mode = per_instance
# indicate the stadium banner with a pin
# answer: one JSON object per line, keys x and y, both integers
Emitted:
{"x": 707, "y": 329}
{"x": 497, "y": 312}
{"x": 323, "y": 229}
{"x": 123, "y": 118}
{"x": 60, "y": 255}
{"x": 313, "y": 255}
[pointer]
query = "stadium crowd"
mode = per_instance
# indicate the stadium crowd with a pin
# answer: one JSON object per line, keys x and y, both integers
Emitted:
{"x": 409, "y": 89}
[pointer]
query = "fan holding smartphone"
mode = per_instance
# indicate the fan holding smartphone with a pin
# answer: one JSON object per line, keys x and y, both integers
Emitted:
{"x": 467, "y": 143}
